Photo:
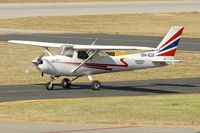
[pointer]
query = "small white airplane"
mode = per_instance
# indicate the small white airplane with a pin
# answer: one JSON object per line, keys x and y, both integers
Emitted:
{"x": 86, "y": 60}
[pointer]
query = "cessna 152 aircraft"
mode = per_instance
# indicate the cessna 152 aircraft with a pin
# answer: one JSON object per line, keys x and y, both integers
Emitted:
{"x": 86, "y": 60}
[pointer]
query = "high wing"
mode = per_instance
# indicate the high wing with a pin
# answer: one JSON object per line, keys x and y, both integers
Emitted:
{"x": 79, "y": 47}
{"x": 38, "y": 44}
{"x": 108, "y": 47}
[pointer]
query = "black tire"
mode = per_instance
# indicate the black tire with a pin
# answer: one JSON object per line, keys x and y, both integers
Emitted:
{"x": 66, "y": 83}
{"x": 96, "y": 85}
{"x": 49, "y": 86}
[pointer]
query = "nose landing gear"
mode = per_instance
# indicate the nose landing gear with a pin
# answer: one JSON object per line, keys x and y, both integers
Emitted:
{"x": 50, "y": 85}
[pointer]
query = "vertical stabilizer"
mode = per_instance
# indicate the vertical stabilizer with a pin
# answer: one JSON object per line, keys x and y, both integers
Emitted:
{"x": 169, "y": 44}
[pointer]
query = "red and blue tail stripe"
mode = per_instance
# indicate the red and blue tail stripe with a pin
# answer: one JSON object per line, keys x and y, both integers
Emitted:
{"x": 170, "y": 43}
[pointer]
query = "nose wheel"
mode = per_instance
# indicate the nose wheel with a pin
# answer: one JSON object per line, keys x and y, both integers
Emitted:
{"x": 49, "y": 85}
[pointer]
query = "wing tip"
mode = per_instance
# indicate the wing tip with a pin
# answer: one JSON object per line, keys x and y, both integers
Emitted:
{"x": 12, "y": 41}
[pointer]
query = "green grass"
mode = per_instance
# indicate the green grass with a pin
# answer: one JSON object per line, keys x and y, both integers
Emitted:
{"x": 16, "y": 58}
{"x": 167, "y": 110}
{"x": 133, "y": 24}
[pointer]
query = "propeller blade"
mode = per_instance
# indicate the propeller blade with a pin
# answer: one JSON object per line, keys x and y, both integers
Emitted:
{"x": 28, "y": 69}
{"x": 37, "y": 60}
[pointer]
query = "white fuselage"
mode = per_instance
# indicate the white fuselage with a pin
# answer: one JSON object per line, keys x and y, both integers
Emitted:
{"x": 60, "y": 65}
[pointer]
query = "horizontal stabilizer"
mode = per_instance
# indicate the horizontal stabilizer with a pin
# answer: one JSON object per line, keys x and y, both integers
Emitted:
{"x": 167, "y": 61}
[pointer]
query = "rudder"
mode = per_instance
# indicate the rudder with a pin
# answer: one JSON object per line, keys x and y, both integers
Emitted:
{"x": 169, "y": 44}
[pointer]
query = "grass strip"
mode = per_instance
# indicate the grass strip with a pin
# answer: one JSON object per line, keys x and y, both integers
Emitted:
{"x": 132, "y": 24}
{"x": 167, "y": 110}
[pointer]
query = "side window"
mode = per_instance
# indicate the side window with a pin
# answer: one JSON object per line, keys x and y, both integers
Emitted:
{"x": 82, "y": 55}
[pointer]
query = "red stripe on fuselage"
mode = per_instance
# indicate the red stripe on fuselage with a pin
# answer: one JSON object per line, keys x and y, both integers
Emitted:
{"x": 99, "y": 65}
{"x": 99, "y": 68}
{"x": 125, "y": 64}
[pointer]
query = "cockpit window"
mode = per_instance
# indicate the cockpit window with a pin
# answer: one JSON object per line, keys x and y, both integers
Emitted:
{"x": 82, "y": 55}
{"x": 67, "y": 51}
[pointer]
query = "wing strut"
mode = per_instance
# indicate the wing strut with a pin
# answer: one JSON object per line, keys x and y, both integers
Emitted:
{"x": 46, "y": 50}
{"x": 74, "y": 70}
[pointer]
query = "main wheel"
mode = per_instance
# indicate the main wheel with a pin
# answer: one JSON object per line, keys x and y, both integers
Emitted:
{"x": 49, "y": 86}
{"x": 66, "y": 83}
{"x": 96, "y": 85}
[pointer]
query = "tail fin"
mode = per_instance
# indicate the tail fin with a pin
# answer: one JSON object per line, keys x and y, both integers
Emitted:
{"x": 169, "y": 44}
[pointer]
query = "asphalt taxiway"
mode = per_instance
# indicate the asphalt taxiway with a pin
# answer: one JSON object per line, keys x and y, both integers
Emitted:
{"x": 191, "y": 44}
{"x": 120, "y": 88}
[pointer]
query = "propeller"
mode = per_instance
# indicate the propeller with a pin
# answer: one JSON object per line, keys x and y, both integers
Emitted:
{"x": 36, "y": 62}
{"x": 28, "y": 69}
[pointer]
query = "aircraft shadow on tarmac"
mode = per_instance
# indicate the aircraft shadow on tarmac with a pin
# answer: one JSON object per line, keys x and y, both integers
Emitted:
{"x": 38, "y": 91}
{"x": 178, "y": 85}
{"x": 157, "y": 88}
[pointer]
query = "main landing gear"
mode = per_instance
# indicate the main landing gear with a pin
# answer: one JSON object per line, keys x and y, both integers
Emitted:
{"x": 66, "y": 83}
{"x": 95, "y": 84}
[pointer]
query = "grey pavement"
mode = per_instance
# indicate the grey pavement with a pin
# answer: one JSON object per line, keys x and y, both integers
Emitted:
{"x": 119, "y": 88}
{"x": 192, "y": 44}
{"x": 19, "y": 127}
{"x": 95, "y": 8}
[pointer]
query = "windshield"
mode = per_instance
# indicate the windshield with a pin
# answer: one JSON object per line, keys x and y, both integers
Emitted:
{"x": 66, "y": 51}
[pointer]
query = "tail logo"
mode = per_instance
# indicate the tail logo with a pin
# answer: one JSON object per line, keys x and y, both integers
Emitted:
{"x": 169, "y": 45}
